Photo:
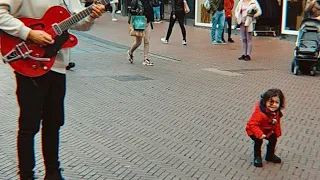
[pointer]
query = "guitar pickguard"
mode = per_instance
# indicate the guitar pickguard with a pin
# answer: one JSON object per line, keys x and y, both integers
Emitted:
{"x": 52, "y": 49}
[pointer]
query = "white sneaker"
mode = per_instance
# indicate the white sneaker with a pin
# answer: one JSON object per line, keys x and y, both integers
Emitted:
{"x": 114, "y": 19}
{"x": 184, "y": 42}
{"x": 147, "y": 62}
{"x": 164, "y": 40}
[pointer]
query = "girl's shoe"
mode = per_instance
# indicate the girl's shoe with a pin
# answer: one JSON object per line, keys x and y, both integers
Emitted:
{"x": 257, "y": 161}
{"x": 147, "y": 62}
{"x": 130, "y": 57}
{"x": 273, "y": 158}
{"x": 184, "y": 42}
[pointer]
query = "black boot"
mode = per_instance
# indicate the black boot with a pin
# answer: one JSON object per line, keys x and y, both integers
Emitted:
{"x": 53, "y": 175}
{"x": 270, "y": 156}
{"x": 26, "y": 176}
{"x": 257, "y": 161}
{"x": 273, "y": 158}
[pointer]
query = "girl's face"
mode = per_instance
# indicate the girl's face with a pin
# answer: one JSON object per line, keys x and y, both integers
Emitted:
{"x": 273, "y": 103}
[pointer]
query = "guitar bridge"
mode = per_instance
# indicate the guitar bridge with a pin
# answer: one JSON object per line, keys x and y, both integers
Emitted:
{"x": 21, "y": 51}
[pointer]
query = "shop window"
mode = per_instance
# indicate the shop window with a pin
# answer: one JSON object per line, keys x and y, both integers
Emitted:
{"x": 202, "y": 15}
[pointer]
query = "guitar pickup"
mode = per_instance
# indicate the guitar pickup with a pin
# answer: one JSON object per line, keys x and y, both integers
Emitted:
{"x": 56, "y": 28}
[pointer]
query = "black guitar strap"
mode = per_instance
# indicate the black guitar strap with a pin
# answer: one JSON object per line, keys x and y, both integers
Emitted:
{"x": 65, "y": 4}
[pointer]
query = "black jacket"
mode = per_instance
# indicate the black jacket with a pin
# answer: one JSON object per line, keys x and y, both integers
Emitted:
{"x": 142, "y": 7}
{"x": 177, "y": 5}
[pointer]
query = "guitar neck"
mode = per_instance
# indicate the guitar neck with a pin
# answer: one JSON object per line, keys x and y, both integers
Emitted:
{"x": 69, "y": 22}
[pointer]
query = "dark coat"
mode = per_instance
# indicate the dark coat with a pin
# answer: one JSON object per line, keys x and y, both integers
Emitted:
{"x": 177, "y": 6}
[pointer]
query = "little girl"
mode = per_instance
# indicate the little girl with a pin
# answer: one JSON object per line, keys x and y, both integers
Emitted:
{"x": 265, "y": 124}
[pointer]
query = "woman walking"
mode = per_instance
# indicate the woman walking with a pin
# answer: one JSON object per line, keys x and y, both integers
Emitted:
{"x": 178, "y": 12}
{"x": 245, "y": 13}
{"x": 143, "y": 7}
{"x": 114, "y": 5}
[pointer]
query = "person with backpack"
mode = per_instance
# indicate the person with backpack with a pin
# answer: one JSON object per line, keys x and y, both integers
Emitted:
{"x": 144, "y": 8}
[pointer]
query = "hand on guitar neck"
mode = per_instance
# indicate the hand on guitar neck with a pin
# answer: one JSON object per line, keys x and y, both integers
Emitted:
{"x": 97, "y": 10}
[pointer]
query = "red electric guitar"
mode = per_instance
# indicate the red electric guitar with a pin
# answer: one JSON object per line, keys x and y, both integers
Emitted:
{"x": 33, "y": 60}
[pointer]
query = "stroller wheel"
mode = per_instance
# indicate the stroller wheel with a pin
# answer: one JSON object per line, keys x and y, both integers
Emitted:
{"x": 313, "y": 71}
{"x": 296, "y": 70}
{"x": 293, "y": 64}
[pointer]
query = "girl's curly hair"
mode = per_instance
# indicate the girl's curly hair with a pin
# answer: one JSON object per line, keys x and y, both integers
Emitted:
{"x": 268, "y": 95}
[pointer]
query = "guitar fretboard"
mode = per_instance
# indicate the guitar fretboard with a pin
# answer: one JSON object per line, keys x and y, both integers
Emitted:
{"x": 67, "y": 23}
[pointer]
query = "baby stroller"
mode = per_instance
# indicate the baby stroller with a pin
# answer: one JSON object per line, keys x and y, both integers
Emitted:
{"x": 306, "y": 54}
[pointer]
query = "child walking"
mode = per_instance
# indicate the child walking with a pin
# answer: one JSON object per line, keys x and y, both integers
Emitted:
{"x": 265, "y": 124}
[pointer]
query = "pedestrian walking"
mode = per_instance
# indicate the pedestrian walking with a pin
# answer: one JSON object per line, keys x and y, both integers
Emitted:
{"x": 218, "y": 19}
{"x": 246, "y": 12}
{"x": 265, "y": 123}
{"x": 228, "y": 6}
{"x": 141, "y": 8}
{"x": 177, "y": 13}
{"x": 114, "y": 5}
{"x": 41, "y": 99}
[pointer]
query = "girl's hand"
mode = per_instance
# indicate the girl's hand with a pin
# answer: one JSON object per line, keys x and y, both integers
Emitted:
{"x": 263, "y": 136}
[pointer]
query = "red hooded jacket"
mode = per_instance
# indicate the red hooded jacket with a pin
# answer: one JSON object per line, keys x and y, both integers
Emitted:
{"x": 260, "y": 123}
{"x": 228, "y": 6}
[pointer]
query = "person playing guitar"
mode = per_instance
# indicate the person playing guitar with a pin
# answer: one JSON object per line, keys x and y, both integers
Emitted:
{"x": 41, "y": 97}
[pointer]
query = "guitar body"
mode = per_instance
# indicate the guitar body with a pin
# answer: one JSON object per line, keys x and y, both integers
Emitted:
{"x": 34, "y": 68}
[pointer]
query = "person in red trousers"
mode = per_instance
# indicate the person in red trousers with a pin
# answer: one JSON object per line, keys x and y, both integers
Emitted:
{"x": 265, "y": 124}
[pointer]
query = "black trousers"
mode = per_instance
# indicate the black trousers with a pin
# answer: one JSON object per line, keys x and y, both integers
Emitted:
{"x": 228, "y": 20}
{"x": 40, "y": 98}
{"x": 270, "y": 147}
{"x": 180, "y": 16}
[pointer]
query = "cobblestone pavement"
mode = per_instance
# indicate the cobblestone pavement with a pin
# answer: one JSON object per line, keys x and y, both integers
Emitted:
{"x": 183, "y": 118}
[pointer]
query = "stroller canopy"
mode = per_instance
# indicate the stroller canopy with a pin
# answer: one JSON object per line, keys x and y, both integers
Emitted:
{"x": 311, "y": 24}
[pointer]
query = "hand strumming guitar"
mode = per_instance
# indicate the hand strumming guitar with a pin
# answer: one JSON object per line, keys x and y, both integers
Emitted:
{"x": 40, "y": 37}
